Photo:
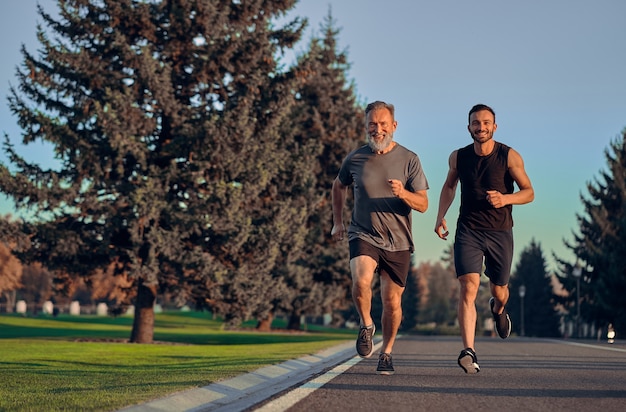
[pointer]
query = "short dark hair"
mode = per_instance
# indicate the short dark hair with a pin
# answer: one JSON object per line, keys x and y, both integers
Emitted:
{"x": 478, "y": 108}
{"x": 380, "y": 105}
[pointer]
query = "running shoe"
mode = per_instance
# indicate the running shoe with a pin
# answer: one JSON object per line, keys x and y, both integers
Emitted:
{"x": 468, "y": 361}
{"x": 385, "y": 364}
{"x": 502, "y": 322}
{"x": 364, "y": 346}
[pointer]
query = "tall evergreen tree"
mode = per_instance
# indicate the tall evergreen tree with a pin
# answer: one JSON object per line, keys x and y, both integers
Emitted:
{"x": 165, "y": 119}
{"x": 541, "y": 318}
{"x": 600, "y": 245}
{"x": 327, "y": 122}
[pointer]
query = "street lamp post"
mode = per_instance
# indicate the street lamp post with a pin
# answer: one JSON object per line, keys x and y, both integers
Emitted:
{"x": 577, "y": 272}
{"x": 522, "y": 293}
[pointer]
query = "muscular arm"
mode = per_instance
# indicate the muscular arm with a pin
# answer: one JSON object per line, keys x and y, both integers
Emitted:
{"x": 447, "y": 197}
{"x": 525, "y": 194}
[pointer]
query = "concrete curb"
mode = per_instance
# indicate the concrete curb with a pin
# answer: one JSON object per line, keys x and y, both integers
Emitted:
{"x": 244, "y": 391}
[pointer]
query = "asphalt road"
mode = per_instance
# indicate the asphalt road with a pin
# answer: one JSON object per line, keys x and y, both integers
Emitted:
{"x": 517, "y": 374}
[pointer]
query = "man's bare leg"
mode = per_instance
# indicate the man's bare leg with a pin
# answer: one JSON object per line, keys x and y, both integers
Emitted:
{"x": 467, "y": 308}
{"x": 362, "y": 268}
{"x": 391, "y": 294}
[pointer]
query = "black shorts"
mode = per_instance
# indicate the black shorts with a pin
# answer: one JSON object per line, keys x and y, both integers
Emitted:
{"x": 494, "y": 247}
{"x": 396, "y": 265}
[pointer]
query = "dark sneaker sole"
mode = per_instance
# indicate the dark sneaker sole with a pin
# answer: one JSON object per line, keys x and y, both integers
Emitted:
{"x": 386, "y": 373}
{"x": 468, "y": 365}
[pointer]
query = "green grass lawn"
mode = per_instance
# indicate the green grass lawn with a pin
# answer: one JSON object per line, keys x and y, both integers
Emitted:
{"x": 83, "y": 362}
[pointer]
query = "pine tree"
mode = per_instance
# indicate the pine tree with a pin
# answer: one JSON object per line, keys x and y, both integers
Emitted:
{"x": 601, "y": 244}
{"x": 165, "y": 118}
{"x": 541, "y": 318}
{"x": 327, "y": 122}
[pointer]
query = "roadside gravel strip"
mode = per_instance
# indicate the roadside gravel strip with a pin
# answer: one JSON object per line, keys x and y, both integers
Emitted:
{"x": 244, "y": 391}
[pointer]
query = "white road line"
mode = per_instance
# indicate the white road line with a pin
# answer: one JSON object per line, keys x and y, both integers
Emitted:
{"x": 587, "y": 345}
{"x": 292, "y": 397}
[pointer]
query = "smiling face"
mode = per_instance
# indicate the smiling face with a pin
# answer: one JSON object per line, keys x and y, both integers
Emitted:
{"x": 482, "y": 125}
{"x": 380, "y": 128}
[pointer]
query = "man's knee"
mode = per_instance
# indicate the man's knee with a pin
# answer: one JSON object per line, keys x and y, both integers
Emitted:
{"x": 392, "y": 300}
{"x": 391, "y": 295}
{"x": 500, "y": 293}
{"x": 469, "y": 285}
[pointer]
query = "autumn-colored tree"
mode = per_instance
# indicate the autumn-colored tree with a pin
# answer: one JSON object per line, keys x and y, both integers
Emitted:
{"x": 10, "y": 276}
{"x": 411, "y": 300}
{"x": 12, "y": 239}
{"x": 439, "y": 294}
{"x": 36, "y": 285}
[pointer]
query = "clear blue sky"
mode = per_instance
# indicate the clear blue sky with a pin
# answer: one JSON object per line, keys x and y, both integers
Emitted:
{"x": 552, "y": 70}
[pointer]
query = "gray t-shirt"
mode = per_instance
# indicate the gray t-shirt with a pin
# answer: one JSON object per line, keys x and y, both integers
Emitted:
{"x": 379, "y": 217}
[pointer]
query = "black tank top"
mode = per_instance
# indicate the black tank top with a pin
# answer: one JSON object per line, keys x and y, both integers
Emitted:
{"x": 478, "y": 174}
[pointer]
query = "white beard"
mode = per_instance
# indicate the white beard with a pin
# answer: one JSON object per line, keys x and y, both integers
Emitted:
{"x": 379, "y": 146}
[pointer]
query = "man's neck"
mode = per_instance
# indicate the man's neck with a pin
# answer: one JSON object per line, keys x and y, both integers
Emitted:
{"x": 485, "y": 148}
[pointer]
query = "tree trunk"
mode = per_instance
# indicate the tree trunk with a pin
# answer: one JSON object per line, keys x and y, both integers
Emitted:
{"x": 294, "y": 322}
{"x": 143, "y": 321}
{"x": 265, "y": 325}
{"x": 10, "y": 297}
